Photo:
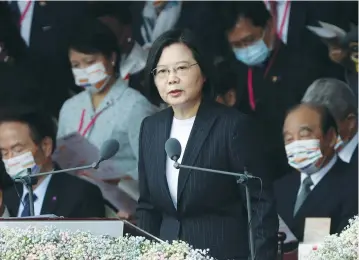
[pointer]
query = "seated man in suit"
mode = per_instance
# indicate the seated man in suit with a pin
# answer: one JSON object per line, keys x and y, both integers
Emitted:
{"x": 341, "y": 101}
{"x": 311, "y": 190}
{"x": 27, "y": 140}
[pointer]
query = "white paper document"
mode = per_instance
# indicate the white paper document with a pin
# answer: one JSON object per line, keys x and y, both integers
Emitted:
{"x": 329, "y": 33}
{"x": 285, "y": 229}
{"x": 74, "y": 150}
{"x": 316, "y": 229}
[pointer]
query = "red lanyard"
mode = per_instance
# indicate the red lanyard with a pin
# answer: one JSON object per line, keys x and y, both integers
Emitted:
{"x": 251, "y": 98}
{"x": 24, "y": 13}
{"x": 92, "y": 122}
{"x": 284, "y": 18}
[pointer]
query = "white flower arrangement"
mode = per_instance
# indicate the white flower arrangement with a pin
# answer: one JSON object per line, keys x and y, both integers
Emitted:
{"x": 344, "y": 246}
{"x": 50, "y": 243}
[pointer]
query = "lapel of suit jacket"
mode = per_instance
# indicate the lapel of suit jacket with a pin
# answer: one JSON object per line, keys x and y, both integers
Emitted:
{"x": 297, "y": 20}
{"x": 291, "y": 191}
{"x": 200, "y": 130}
{"x": 319, "y": 192}
{"x": 50, "y": 203}
{"x": 12, "y": 199}
{"x": 163, "y": 133}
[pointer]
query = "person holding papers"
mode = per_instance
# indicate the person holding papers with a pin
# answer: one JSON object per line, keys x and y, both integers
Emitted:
{"x": 205, "y": 209}
{"x": 321, "y": 185}
{"x": 107, "y": 108}
{"x": 27, "y": 140}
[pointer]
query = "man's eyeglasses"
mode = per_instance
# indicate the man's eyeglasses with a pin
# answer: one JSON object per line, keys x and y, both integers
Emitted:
{"x": 180, "y": 69}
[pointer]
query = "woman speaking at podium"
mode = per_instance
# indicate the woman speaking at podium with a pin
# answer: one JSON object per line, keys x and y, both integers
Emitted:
{"x": 206, "y": 210}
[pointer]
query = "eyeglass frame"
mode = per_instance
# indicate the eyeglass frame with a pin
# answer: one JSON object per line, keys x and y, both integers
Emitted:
{"x": 172, "y": 68}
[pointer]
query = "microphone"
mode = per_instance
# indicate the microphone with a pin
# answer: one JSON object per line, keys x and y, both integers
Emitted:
{"x": 107, "y": 150}
{"x": 173, "y": 151}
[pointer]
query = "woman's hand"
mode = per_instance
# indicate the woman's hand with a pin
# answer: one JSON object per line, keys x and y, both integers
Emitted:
{"x": 337, "y": 54}
{"x": 4, "y": 57}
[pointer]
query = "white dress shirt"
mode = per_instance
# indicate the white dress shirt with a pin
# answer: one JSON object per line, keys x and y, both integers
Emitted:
{"x": 40, "y": 193}
{"x": 25, "y": 29}
{"x": 181, "y": 130}
{"x": 347, "y": 152}
{"x": 319, "y": 175}
{"x": 282, "y": 18}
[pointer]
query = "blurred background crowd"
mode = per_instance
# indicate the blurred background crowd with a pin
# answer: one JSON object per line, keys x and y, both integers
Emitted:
{"x": 266, "y": 61}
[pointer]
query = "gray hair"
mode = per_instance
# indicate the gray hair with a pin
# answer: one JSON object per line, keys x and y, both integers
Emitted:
{"x": 334, "y": 94}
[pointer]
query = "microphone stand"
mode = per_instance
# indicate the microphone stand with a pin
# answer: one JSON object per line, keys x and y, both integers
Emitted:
{"x": 28, "y": 182}
{"x": 241, "y": 179}
{"x": 31, "y": 179}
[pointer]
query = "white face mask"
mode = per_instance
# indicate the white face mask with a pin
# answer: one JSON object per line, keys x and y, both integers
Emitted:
{"x": 304, "y": 155}
{"x": 93, "y": 78}
{"x": 17, "y": 166}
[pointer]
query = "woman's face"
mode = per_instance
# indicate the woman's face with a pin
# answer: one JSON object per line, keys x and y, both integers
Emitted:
{"x": 177, "y": 76}
{"x": 81, "y": 60}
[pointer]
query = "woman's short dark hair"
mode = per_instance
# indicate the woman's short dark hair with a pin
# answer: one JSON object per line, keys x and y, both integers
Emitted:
{"x": 187, "y": 38}
{"x": 94, "y": 37}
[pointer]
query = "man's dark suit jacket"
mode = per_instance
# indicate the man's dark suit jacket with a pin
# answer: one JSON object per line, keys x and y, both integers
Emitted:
{"x": 211, "y": 207}
{"x": 335, "y": 196}
{"x": 66, "y": 196}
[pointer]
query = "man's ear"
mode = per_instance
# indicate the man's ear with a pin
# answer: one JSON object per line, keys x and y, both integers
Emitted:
{"x": 113, "y": 58}
{"x": 46, "y": 146}
{"x": 332, "y": 137}
{"x": 352, "y": 123}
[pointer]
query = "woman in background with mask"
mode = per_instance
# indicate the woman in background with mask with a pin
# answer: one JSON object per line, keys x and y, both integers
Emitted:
{"x": 107, "y": 109}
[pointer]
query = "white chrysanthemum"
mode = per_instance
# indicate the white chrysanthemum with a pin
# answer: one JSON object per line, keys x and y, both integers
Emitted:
{"x": 52, "y": 244}
{"x": 344, "y": 246}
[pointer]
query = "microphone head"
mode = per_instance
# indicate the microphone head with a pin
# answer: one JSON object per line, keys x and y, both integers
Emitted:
{"x": 109, "y": 149}
{"x": 173, "y": 149}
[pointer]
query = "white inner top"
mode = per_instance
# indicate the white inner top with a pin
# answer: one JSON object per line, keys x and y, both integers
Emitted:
{"x": 181, "y": 130}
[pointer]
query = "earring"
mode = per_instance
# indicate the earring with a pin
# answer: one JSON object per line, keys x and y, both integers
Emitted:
{"x": 113, "y": 63}
{"x": 129, "y": 39}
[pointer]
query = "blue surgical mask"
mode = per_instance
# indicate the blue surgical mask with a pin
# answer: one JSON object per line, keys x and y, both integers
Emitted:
{"x": 254, "y": 54}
